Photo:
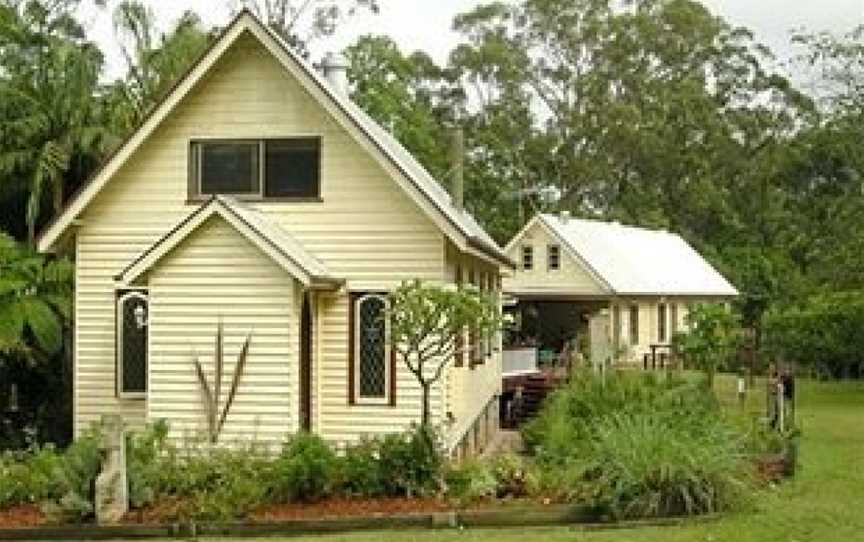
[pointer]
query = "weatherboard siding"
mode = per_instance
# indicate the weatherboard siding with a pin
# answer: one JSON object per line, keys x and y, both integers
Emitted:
{"x": 366, "y": 230}
{"x": 571, "y": 279}
{"x": 469, "y": 390}
{"x": 216, "y": 275}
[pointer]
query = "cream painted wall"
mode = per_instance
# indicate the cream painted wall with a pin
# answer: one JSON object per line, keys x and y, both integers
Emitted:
{"x": 366, "y": 229}
{"x": 648, "y": 322}
{"x": 571, "y": 278}
{"x": 191, "y": 290}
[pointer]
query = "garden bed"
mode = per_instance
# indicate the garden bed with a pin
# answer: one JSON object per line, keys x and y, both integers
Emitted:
{"x": 509, "y": 514}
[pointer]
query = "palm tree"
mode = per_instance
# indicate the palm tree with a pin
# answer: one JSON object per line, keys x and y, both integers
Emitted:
{"x": 49, "y": 111}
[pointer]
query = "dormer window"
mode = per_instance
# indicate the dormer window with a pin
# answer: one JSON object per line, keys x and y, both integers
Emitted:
{"x": 280, "y": 169}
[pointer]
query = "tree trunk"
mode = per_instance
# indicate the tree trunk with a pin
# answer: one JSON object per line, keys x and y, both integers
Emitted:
{"x": 425, "y": 414}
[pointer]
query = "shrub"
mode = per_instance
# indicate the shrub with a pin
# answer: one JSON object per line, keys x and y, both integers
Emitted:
{"x": 411, "y": 463}
{"x": 640, "y": 447}
{"x": 145, "y": 463}
{"x": 305, "y": 470}
{"x": 75, "y": 478}
{"x": 359, "y": 470}
{"x": 515, "y": 476}
{"x": 29, "y": 477}
{"x": 471, "y": 481}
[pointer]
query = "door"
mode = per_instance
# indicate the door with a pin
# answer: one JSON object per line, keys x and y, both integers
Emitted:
{"x": 306, "y": 365}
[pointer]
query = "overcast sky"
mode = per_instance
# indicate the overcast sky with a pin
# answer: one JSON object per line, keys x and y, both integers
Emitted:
{"x": 425, "y": 24}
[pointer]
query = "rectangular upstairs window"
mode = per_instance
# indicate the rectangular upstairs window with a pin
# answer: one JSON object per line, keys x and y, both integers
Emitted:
{"x": 292, "y": 168}
{"x": 228, "y": 168}
{"x": 258, "y": 169}
{"x": 554, "y": 257}
{"x": 527, "y": 258}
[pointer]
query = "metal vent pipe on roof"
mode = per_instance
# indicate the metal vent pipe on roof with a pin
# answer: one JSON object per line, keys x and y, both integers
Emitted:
{"x": 334, "y": 68}
{"x": 565, "y": 217}
{"x": 457, "y": 158}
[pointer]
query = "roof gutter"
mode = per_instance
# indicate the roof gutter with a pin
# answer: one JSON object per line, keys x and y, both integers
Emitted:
{"x": 479, "y": 244}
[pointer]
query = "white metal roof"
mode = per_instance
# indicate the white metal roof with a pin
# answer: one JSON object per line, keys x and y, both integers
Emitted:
{"x": 639, "y": 261}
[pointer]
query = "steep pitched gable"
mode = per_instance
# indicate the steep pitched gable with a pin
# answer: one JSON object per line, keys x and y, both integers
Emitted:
{"x": 456, "y": 224}
{"x": 268, "y": 236}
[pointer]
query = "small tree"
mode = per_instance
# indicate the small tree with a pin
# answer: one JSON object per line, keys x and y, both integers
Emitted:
{"x": 426, "y": 325}
{"x": 713, "y": 334}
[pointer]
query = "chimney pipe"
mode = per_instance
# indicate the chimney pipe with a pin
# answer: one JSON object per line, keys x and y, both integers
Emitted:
{"x": 334, "y": 68}
{"x": 457, "y": 157}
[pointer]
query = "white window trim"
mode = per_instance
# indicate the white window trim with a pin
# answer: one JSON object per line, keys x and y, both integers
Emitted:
{"x": 144, "y": 295}
{"x": 358, "y": 398}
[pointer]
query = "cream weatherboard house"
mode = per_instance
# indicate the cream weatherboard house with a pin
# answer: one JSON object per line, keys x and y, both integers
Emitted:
{"x": 259, "y": 196}
{"x": 644, "y": 280}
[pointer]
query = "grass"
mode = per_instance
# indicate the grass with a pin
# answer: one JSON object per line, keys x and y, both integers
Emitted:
{"x": 823, "y": 502}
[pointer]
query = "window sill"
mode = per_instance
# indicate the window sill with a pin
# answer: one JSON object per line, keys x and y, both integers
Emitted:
{"x": 372, "y": 403}
{"x": 258, "y": 199}
{"x": 132, "y": 396}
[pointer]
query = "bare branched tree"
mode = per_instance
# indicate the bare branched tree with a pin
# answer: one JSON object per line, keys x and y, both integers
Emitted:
{"x": 301, "y": 22}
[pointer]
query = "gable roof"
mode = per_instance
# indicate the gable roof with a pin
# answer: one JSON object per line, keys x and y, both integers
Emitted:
{"x": 639, "y": 261}
{"x": 261, "y": 231}
{"x": 457, "y": 223}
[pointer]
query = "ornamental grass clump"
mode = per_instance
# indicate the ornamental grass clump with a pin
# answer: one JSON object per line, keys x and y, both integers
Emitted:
{"x": 638, "y": 446}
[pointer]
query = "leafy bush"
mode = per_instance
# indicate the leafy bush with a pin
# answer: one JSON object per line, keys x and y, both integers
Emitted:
{"x": 29, "y": 477}
{"x": 411, "y": 463}
{"x": 471, "y": 481}
{"x": 305, "y": 471}
{"x": 144, "y": 463}
{"x": 359, "y": 470}
{"x": 637, "y": 446}
{"x": 75, "y": 477}
{"x": 515, "y": 476}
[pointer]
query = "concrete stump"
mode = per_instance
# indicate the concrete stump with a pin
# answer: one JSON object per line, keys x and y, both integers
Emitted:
{"x": 112, "y": 489}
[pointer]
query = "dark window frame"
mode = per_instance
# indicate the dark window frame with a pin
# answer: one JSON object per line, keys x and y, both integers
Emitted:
{"x": 121, "y": 296}
{"x": 527, "y": 257}
{"x": 549, "y": 259}
{"x": 662, "y": 323}
{"x": 195, "y": 194}
{"x": 633, "y": 324}
{"x": 390, "y": 368}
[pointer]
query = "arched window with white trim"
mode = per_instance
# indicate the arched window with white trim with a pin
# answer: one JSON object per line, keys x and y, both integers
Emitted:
{"x": 133, "y": 312}
{"x": 371, "y": 350}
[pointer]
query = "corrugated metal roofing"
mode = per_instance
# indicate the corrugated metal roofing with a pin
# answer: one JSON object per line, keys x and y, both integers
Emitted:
{"x": 639, "y": 261}
{"x": 278, "y": 236}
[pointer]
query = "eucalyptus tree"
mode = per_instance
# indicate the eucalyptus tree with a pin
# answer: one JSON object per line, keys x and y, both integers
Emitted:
{"x": 655, "y": 111}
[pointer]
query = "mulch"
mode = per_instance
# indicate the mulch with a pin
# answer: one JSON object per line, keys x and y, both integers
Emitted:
{"x": 168, "y": 510}
{"x": 338, "y": 508}
{"x": 28, "y": 515}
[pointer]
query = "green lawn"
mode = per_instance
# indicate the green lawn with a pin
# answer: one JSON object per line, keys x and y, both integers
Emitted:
{"x": 824, "y": 502}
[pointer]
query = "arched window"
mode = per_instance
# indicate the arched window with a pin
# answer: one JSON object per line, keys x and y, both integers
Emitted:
{"x": 372, "y": 369}
{"x": 133, "y": 312}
